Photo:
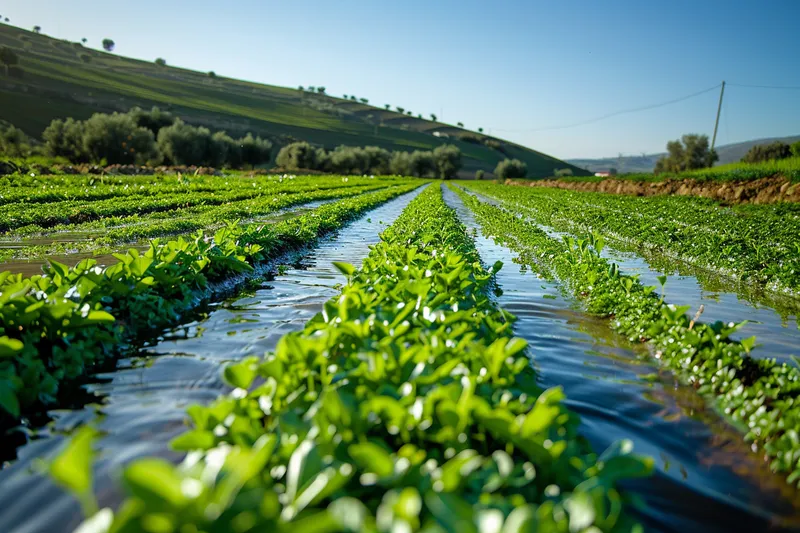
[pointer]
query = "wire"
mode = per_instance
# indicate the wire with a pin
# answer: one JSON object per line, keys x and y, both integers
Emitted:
{"x": 622, "y": 112}
{"x": 786, "y": 87}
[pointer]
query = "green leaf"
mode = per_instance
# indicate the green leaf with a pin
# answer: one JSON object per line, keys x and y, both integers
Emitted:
{"x": 193, "y": 440}
{"x": 10, "y": 347}
{"x": 72, "y": 468}
{"x": 8, "y": 398}
{"x": 242, "y": 374}
{"x": 156, "y": 483}
{"x": 372, "y": 458}
{"x": 345, "y": 268}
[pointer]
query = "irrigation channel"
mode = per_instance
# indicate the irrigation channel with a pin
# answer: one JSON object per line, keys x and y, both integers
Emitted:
{"x": 706, "y": 478}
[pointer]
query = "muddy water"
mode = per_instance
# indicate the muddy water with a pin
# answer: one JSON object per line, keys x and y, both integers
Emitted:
{"x": 141, "y": 406}
{"x": 706, "y": 478}
{"x": 774, "y": 323}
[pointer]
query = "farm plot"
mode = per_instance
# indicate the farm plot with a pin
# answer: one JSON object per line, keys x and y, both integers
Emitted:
{"x": 62, "y": 324}
{"x": 759, "y": 395}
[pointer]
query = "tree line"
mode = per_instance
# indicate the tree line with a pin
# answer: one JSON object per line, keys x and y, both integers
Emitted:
{"x": 150, "y": 138}
{"x": 443, "y": 162}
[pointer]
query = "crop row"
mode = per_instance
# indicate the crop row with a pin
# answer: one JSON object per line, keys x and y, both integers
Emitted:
{"x": 56, "y": 327}
{"x": 116, "y": 230}
{"x": 46, "y": 215}
{"x": 759, "y": 396}
{"x": 404, "y": 406}
{"x": 756, "y": 244}
{"x": 50, "y": 189}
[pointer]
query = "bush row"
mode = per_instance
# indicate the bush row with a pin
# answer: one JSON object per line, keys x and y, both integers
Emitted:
{"x": 443, "y": 162}
{"x": 150, "y": 137}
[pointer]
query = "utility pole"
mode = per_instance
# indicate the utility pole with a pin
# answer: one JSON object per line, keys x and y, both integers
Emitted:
{"x": 719, "y": 110}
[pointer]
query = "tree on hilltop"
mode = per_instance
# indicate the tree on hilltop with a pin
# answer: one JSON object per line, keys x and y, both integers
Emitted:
{"x": 108, "y": 45}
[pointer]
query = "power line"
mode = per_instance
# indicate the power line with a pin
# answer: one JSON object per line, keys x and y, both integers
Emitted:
{"x": 616, "y": 113}
{"x": 785, "y": 87}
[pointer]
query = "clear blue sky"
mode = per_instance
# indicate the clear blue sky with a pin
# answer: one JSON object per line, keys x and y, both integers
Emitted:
{"x": 508, "y": 66}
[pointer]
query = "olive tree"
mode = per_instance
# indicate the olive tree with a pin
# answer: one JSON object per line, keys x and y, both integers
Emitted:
{"x": 510, "y": 168}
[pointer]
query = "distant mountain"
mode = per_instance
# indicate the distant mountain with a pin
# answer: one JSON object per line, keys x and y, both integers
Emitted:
{"x": 728, "y": 153}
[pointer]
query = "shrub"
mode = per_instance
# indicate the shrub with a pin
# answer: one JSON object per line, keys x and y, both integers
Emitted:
{"x": 796, "y": 149}
{"x": 479, "y": 174}
{"x": 421, "y": 164}
{"x": 153, "y": 120}
{"x": 182, "y": 144}
{"x": 689, "y": 153}
{"x": 510, "y": 168}
{"x": 13, "y": 142}
{"x": 400, "y": 164}
{"x": 212, "y": 74}
{"x": 8, "y": 58}
{"x": 224, "y": 151}
{"x": 108, "y": 45}
{"x": 161, "y": 62}
{"x": 447, "y": 159}
{"x": 767, "y": 152}
{"x": 254, "y": 150}
{"x": 65, "y": 138}
{"x": 86, "y": 58}
{"x": 298, "y": 155}
{"x": 562, "y": 173}
{"x": 118, "y": 140}
{"x": 348, "y": 160}
{"x": 469, "y": 138}
{"x": 378, "y": 160}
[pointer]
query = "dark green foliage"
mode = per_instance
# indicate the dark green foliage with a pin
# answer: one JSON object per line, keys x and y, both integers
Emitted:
{"x": 356, "y": 160}
{"x": 182, "y": 144}
{"x": 65, "y": 138}
{"x": 470, "y": 138}
{"x": 255, "y": 150}
{"x": 108, "y": 45}
{"x": 117, "y": 139}
{"x": 433, "y": 117}
{"x": 86, "y": 58}
{"x": 153, "y": 120}
{"x": 8, "y": 57}
{"x": 460, "y": 124}
{"x": 161, "y": 62}
{"x": 212, "y": 74}
{"x": 795, "y": 148}
{"x": 13, "y": 142}
{"x": 767, "y": 152}
{"x": 298, "y": 155}
{"x": 400, "y": 110}
{"x": 37, "y": 29}
{"x": 447, "y": 160}
{"x": 510, "y": 169}
{"x": 689, "y": 153}
{"x": 363, "y": 100}
{"x": 479, "y": 175}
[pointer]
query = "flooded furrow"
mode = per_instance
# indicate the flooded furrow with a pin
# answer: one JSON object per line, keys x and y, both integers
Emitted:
{"x": 141, "y": 406}
{"x": 32, "y": 267}
{"x": 775, "y": 327}
{"x": 706, "y": 479}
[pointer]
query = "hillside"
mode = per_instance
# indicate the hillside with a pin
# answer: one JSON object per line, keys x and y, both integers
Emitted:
{"x": 728, "y": 153}
{"x": 62, "y": 79}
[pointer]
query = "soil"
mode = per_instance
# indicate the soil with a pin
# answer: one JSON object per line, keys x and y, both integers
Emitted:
{"x": 761, "y": 191}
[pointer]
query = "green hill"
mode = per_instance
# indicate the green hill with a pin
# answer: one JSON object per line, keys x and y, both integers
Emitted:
{"x": 62, "y": 79}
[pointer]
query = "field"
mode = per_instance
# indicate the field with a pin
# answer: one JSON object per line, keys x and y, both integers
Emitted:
{"x": 332, "y": 353}
{"x": 59, "y": 83}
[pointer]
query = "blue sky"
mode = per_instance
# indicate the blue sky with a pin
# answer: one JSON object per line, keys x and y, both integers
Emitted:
{"x": 509, "y": 66}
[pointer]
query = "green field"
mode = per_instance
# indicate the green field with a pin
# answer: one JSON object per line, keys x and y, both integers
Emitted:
{"x": 57, "y": 83}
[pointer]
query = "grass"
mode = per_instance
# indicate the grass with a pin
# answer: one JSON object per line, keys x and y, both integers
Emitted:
{"x": 57, "y": 83}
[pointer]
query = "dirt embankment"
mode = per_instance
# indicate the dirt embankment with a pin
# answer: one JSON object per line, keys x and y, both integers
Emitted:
{"x": 761, "y": 191}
